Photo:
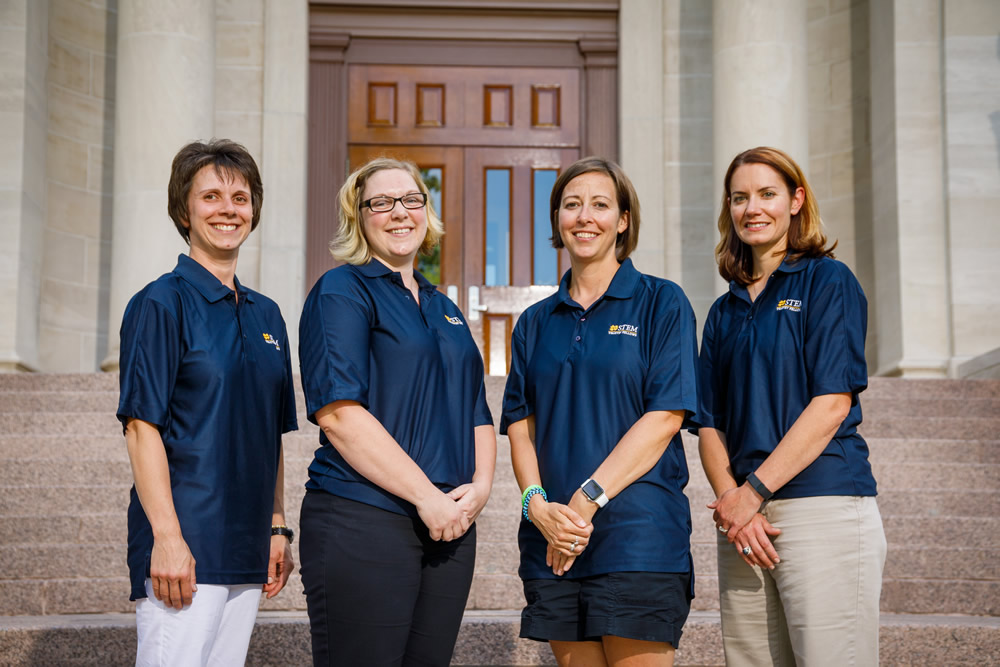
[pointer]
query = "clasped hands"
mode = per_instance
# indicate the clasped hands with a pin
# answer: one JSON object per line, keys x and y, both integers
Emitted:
{"x": 449, "y": 515}
{"x": 737, "y": 515}
{"x": 566, "y": 528}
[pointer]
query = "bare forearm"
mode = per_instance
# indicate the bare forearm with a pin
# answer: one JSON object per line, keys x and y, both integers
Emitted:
{"x": 278, "y": 517}
{"x": 715, "y": 460}
{"x": 372, "y": 452}
{"x": 152, "y": 477}
{"x": 486, "y": 456}
{"x": 638, "y": 450}
{"x": 522, "y": 453}
{"x": 805, "y": 440}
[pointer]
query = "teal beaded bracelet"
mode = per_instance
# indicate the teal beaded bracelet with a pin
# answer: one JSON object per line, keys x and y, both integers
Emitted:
{"x": 526, "y": 498}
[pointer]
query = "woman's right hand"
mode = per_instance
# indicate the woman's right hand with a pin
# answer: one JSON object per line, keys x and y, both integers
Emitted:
{"x": 563, "y": 528}
{"x": 443, "y": 517}
{"x": 757, "y": 535}
{"x": 171, "y": 569}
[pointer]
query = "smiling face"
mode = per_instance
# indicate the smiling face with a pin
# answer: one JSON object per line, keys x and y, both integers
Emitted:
{"x": 395, "y": 236}
{"x": 220, "y": 213}
{"x": 762, "y": 207}
{"x": 589, "y": 218}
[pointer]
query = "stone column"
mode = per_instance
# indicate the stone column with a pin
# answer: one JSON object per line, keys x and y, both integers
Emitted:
{"x": 23, "y": 64}
{"x": 283, "y": 169}
{"x": 640, "y": 104}
{"x": 165, "y": 90}
{"x": 760, "y": 79}
{"x": 910, "y": 306}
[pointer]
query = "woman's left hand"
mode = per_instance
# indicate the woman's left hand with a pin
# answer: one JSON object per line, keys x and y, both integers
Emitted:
{"x": 280, "y": 565}
{"x": 734, "y": 509}
{"x": 471, "y": 498}
{"x": 558, "y": 561}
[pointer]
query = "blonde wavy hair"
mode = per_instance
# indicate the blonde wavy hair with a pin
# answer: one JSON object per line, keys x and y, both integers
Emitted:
{"x": 805, "y": 232}
{"x": 349, "y": 245}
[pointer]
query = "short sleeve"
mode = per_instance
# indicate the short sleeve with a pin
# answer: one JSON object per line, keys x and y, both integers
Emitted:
{"x": 836, "y": 324}
{"x": 515, "y": 398}
{"x": 148, "y": 361}
{"x": 482, "y": 416}
{"x": 709, "y": 394}
{"x": 671, "y": 380}
{"x": 334, "y": 333}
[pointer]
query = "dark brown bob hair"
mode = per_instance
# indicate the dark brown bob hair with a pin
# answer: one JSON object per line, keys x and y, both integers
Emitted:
{"x": 805, "y": 232}
{"x": 229, "y": 159}
{"x": 628, "y": 201}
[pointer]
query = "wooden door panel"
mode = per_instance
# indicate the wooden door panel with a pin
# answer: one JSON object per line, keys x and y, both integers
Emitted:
{"x": 470, "y": 106}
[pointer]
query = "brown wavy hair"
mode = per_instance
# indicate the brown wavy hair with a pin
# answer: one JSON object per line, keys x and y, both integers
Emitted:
{"x": 805, "y": 232}
{"x": 628, "y": 201}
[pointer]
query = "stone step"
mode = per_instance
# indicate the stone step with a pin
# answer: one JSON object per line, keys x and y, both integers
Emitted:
{"x": 486, "y": 638}
{"x": 956, "y": 428}
{"x": 898, "y": 388}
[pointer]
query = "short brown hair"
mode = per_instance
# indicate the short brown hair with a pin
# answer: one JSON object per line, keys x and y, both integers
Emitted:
{"x": 350, "y": 245}
{"x": 805, "y": 231}
{"x": 228, "y": 158}
{"x": 628, "y": 201}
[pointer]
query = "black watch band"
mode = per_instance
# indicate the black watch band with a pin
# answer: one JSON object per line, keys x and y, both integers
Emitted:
{"x": 283, "y": 530}
{"x": 758, "y": 486}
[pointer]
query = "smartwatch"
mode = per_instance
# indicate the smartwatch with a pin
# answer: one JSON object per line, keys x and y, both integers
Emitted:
{"x": 283, "y": 530}
{"x": 759, "y": 487}
{"x": 594, "y": 492}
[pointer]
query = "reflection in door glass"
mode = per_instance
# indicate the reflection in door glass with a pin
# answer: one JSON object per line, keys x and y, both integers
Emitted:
{"x": 497, "y": 227}
{"x": 430, "y": 265}
{"x": 546, "y": 261}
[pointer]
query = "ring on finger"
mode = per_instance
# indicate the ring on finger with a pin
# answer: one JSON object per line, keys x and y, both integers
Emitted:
{"x": 747, "y": 551}
{"x": 572, "y": 548}
{"x": 723, "y": 530}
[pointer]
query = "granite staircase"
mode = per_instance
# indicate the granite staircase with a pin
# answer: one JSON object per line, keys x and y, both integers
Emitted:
{"x": 64, "y": 480}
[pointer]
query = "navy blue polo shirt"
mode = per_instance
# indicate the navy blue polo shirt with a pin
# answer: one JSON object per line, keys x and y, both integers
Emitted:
{"x": 762, "y": 362}
{"x": 588, "y": 375}
{"x": 215, "y": 375}
{"x": 362, "y": 337}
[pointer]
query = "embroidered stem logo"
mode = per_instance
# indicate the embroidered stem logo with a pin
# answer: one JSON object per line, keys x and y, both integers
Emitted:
{"x": 271, "y": 340}
{"x": 793, "y": 305}
{"x": 623, "y": 330}
{"x": 454, "y": 320}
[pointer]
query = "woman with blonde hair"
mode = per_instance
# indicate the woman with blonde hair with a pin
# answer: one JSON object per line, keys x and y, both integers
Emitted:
{"x": 800, "y": 543}
{"x": 394, "y": 380}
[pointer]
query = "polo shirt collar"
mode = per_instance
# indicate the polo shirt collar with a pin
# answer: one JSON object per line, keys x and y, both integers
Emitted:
{"x": 210, "y": 287}
{"x": 787, "y": 266}
{"x": 375, "y": 269}
{"x": 622, "y": 285}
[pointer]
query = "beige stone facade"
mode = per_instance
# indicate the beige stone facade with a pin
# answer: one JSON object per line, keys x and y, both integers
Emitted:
{"x": 893, "y": 107}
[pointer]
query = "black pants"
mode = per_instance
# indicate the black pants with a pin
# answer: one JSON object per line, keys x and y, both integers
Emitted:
{"x": 379, "y": 590}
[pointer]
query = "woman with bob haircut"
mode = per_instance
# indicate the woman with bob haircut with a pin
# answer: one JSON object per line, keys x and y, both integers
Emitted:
{"x": 800, "y": 543}
{"x": 603, "y": 375}
{"x": 394, "y": 380}
{"x": 206, "y": 392}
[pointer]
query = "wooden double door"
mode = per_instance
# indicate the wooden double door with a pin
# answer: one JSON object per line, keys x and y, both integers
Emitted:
{"x": 504, "y": 135}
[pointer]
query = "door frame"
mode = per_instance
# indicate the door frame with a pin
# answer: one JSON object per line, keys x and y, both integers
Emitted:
{"x": 564, "y": 33}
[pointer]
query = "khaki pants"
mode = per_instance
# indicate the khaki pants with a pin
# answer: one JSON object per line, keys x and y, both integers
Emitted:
{"x": 820, "y": 604}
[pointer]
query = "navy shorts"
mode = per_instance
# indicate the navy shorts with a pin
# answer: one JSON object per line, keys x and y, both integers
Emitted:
{"x": 651, "y": 606}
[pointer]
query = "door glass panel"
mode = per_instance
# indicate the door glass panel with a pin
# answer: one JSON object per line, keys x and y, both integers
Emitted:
{"x": 497, "y": 227}
{"x": 546, "y": 259}
{"x": 430, "y": 265}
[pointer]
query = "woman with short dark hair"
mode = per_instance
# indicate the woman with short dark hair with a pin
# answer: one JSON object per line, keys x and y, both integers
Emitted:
{"x": 206, "y": 393}
{"x": 602, "y": 378}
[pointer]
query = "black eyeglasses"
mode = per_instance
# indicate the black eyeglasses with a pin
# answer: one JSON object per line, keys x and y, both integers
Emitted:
{"x": 384, "y": 203}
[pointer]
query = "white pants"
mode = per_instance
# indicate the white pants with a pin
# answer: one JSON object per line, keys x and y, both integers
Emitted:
{"x": 820, "y": 604}
{"x": 213, "y": 630}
